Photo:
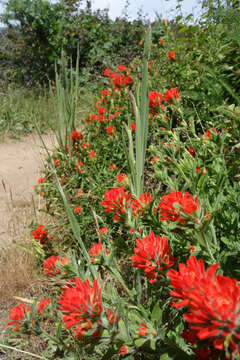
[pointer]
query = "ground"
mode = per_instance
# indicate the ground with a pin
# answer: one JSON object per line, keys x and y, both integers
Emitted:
{"x": 20, "y": 165}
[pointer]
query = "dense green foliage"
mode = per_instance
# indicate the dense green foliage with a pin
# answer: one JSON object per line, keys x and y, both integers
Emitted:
{"x": 39, "y": 30}
{"x": 143, "y": 257}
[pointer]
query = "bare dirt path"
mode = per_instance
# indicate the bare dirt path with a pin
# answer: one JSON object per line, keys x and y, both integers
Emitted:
{"x": 20, "y": 163}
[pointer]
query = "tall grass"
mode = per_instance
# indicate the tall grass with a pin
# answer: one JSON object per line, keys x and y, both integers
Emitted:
{"x": 21, "y": 108}
{"x": 136, "y": 152}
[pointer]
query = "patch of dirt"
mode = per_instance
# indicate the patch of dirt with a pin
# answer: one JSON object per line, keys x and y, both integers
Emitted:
{"x": 20, "y": 164}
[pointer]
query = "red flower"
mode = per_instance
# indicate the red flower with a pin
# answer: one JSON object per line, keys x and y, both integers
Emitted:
{"x": 43, "y": 305}
{"x": 127, "y": 80}
{"x": 212, "y": 301}
{"x": 198, "y": 170}
{"x": 133, "y": 126}
{"x": 191, "y": 151}
{"x": 82, "y": 305}
{"x": 122, "y": 178}
{"x": 143, "y": 328}
{"x": 41, "y": 180}
{"x": 111, "y": 317}
{"x": 145, "y": 199}
{"x": 153, "y": 255}
{"x": 177, "y": 206}
{"x": 86, "y": 145}
{"x": 93, "y": 117}
{"x": 154, "y": 99}
{"x": 112, "y": 167}
{"x": 105, "y": 92}
{"x": 107, "y": 72}
{"x": 49, "y": 265}
{"x": 123, "y": 350}
{"x": 78, "y": 209}
{"x": 115, "y": 201}
{"x": 155, "y": 159}
{"x": 102, "y": 110}
{"x": 40, "y": 234}
{"x": 96, "y": 249}
{"x": 76, "y": 135}
{"x": 110, "y": 129}
{"x": 170, "y": 95}
{"x": 172, "y": 55}
{"x": 17, "y": 315}
{"x": 121, "y": 68}
{"x": 103, "y": 230}
{"x": 92, "y": 154}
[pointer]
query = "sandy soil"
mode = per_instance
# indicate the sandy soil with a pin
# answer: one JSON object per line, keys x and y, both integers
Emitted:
{"x": 20, "y": 163}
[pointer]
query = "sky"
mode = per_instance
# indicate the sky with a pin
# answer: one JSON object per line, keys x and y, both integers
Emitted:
{"x": 147, "y": 7}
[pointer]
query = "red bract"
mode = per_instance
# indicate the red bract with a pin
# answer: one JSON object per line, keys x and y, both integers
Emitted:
{"x": 177, "y": 206}
{"x": 76, "y": 135}
{"x": 212, "y": 301}
{"x": 49, "y": 265}
{"x": 102, "y": 110}
{"x": 110, "y": 129}
{"x": 123, "y": 350}
{"x": 91, "y": 154}
{"x": 143, "y": 328}
{"x": 145, "y": 199}
{"x": 133, "y": 126}
{"x": 191, "y": 151}
{"x": 154, "y": 99}
{"x": 96, "y": 249}
{"x": 43, "y": 305}
{"x": 17, "y": 315}
{"x": 82, "y": 306}
{"x": 105, "y": 93}
{"x": 121, "y": 68}
{"x": 153, "y": 255}
{"x": 170, "y": 95}
{"x": 78, "y": 209}
{"x": 40, "y": 234}
{"x": 122, "y": 178}
{"x": 41, "y": 180}
{"x": 172, "y": 55}
{"x": 115, "y": 201}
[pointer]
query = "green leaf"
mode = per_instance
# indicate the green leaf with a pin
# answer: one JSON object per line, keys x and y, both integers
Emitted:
{"x": 156, "y": 313}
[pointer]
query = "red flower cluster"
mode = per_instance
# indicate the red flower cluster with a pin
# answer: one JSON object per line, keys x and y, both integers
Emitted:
{"x": 170, "y": 95}
{"x": 115, "y": 200}
{"x": 213, "y": 304}
{"x": 172, "y": 55}
{"x": 49, "y": 265}
{"x": 156, "y": 100}
{"x": 177, "y": 206}
{"x": 43, "y": 305}
{"x": 118, "y": 201}
{"x": 122, "y": 80}
{"x": 82, "y": 305}
{"x": 41, "y": 180}
{"x": 122, "y": 178}
{"x": 96, "y": 249}
{"x": 17, "y": 315}
{"x": 153, "y": 255}
{"x": 143, "y": 328}
{"x": 76, "y": 135}
{"x": 40, "y": 233}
